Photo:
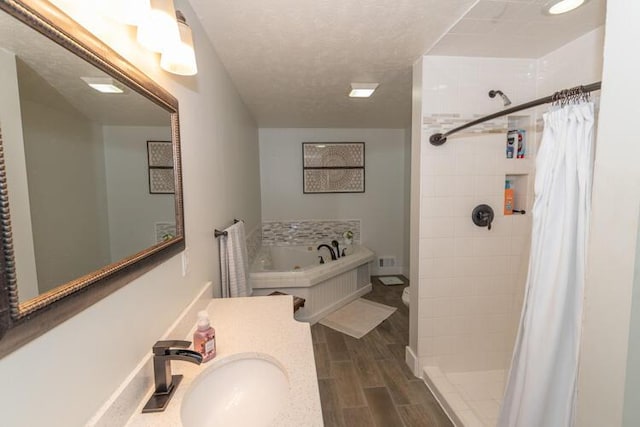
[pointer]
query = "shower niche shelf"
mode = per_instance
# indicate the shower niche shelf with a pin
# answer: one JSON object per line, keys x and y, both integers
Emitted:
{"x": 520, "y": 186}
{"x": 520, "y": 166}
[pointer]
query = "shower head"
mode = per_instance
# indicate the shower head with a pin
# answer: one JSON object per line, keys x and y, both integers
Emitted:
{"x": 505, "y": 98}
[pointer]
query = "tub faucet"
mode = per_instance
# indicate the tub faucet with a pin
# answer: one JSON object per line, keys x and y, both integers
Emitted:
{"x": 166, "y": 384}
{"x": 336, "y": 245}
{"x": 333, "y": 254}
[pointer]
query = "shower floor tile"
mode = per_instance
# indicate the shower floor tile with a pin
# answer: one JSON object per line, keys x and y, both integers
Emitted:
{"x": 482, "y": 391}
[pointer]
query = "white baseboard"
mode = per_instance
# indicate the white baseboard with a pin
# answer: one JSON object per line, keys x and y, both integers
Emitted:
{"x": 336, "y": 305}
{"x": 412, "y": 362}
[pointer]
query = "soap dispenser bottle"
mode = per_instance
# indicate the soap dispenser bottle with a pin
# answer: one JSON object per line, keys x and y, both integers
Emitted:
{"x": 204, "y": 338}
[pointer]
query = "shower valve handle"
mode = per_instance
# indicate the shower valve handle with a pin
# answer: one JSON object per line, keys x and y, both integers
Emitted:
{"x": 482, "y": 216}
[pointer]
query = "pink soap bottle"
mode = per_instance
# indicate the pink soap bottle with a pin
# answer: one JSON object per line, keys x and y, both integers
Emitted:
{"x": 204, "y": 338}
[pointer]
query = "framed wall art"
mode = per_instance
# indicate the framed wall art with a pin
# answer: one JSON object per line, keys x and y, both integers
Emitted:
{"x": 160, "y": 161}
{"x": 333, "y": 167}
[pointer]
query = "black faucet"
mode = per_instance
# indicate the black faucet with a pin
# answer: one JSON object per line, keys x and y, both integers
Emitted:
{"x": 333, "y": 254}
{"x": 166, "y": 384}
{"x": 336, "y": 245}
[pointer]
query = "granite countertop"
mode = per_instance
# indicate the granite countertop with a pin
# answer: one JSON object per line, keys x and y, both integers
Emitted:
{"x": 263, "y": 325}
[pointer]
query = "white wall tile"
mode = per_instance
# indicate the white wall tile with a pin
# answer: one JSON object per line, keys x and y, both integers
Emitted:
{"x": 436, "y": 227}
{"x": 470, "y": 272}
{"x": 437, "y": 207}
{"x": 463, "y": 246}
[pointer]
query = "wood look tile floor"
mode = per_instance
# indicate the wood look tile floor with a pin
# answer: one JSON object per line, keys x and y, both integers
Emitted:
{"x": 365, "y": 382}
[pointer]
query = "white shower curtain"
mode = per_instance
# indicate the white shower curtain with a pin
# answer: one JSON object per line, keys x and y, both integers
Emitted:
{"x": 234, "y": 263}
{"x": 541, "y": 387}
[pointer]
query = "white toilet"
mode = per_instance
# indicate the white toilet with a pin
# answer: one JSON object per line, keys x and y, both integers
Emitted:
{"x": 405, "y": 296}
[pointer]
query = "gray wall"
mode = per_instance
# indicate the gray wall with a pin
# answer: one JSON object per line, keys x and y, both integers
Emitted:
{"x": 381, "y": 208}
{"x": 133, "y": 211}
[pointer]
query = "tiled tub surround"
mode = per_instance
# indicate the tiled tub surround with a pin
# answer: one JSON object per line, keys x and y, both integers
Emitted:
{"x": 261, "y": 325}
{"x": 308, "y": 232}
{"x": 325, "y": 287}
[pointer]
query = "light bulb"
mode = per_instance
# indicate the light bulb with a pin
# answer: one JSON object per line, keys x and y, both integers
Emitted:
{"x": 158, "y": 31}
{"x": 180, "y": 58}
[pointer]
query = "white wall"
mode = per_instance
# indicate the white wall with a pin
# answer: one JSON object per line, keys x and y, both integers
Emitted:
{"x": 613, "y": 234}
{"x": 84, "y": 359}
{"x": 406, "y": 201}
{"x": 133, "y": 211}
{"x": 381, "y": 208}
{"x": 414, "y": 215}
{"x": 13, "y": 146}
{"x": 579, "y": 62}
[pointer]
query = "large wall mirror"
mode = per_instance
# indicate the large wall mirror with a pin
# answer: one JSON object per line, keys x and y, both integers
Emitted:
{"x": 90, "y": 182}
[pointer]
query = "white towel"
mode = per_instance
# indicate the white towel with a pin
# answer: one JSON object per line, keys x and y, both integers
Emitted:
{"x": 234, "y": 263}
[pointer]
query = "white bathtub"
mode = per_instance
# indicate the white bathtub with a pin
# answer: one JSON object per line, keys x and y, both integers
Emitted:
{"x": 326, "y": 287}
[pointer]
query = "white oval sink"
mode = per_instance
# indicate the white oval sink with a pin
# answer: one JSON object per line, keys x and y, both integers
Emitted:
{"x": 245, "y": 391}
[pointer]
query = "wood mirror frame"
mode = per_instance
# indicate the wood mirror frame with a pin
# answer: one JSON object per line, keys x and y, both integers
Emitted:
{"x": 21, "y": 322}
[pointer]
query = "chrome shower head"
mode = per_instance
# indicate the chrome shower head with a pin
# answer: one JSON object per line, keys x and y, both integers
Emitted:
{"x": 505, "y": 98}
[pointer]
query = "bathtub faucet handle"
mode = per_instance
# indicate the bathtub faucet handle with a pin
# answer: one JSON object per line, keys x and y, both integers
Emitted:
{"x": 336, "y": 245}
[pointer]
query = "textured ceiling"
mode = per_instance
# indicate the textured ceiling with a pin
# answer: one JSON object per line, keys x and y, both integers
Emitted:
{"x": 293, "y": 60}
{"x": 517, "y": 29}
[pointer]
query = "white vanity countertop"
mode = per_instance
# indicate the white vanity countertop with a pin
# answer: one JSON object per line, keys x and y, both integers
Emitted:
{"x": 253, "y": 325}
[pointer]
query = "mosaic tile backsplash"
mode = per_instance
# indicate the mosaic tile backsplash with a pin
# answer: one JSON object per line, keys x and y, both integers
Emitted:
{"x": 307, "y": 232}
{"x": 445, "y": 122}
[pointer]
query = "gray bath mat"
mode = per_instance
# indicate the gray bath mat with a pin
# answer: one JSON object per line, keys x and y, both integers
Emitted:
{"x": 391, "y": 280}
{"x": 358, "y": 318}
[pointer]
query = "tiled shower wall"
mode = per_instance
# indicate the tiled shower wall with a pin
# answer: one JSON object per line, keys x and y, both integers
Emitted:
{"x": 471, "y": 280}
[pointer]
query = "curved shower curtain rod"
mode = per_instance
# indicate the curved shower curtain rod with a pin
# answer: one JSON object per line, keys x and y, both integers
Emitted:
{"x": 440, "y": 138}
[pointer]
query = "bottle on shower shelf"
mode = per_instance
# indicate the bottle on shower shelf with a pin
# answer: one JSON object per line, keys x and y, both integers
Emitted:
{"x": 516, "y": 144}
{"x": 508, "y": 198}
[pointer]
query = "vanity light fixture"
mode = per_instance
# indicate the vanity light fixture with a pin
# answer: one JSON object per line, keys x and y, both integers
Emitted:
{"x": 557, "y": 7}
{"x": 362, "y": 90}
{"x": 103, "y": 84}
{"x": 129, "y": 12}
{"x": 180, "y": 57}
{"x": 159, "y": 31}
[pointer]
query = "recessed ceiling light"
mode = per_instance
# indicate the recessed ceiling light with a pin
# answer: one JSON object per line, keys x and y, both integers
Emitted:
{"x": 362, "y": 90}
{"x": 103, "y": 84}
{"x": 557, "y": 7}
